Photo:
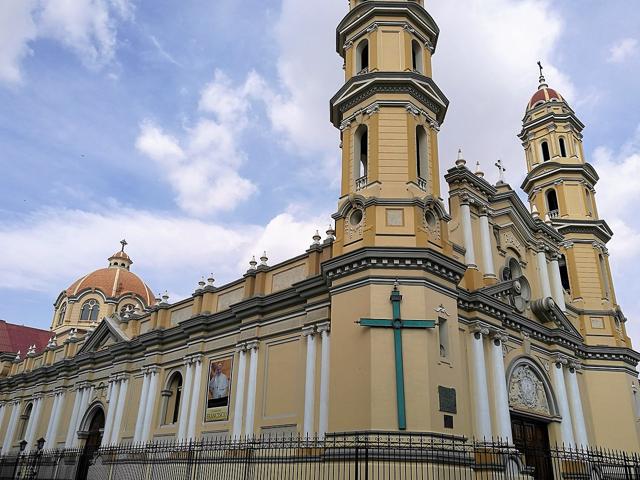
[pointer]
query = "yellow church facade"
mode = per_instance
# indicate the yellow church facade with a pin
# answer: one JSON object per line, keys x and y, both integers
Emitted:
{"x": 481, "y": 317}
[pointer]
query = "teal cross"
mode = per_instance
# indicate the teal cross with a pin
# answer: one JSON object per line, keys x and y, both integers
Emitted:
{"x": 398, "y": 325}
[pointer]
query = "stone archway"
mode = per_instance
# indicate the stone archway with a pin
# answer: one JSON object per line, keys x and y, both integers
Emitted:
{"x": 91, "y": 430}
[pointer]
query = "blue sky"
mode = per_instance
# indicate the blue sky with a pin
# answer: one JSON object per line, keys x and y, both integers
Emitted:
{"x": 199, "y": 129}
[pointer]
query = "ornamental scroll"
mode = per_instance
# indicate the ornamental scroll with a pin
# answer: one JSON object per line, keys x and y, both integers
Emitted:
{"x": 527, "y": 392}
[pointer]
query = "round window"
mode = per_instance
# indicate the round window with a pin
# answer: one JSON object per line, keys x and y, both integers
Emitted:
{"x": 356, "y": 217}
{"x": 431, "y": 220}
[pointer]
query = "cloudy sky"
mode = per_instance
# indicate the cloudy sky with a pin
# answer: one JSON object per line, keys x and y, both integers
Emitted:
{"x": 198, "y": 130}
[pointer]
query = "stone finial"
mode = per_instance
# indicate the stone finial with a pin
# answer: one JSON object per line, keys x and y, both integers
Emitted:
{"x": 547, "y": 219}
{"x": 479, "y": 172}
{"x": 252, "y": 263}
{"x": 316, "y": 238}
{"x": 264, "y": 259}
{"x": 94, "y": 324}
{"x": 73, "y": 334}
{"x": 158, "y": 299}
{"x": 165, "y": 298}
{"x": 534, "y": 211}
{"x": 32, "y": 351}
{"x": 331, "y": 233}
{"x": 460, "y": 162}
{"x": 501, "y": 170}
{"x": 53, "y": 342}
{"x": 18, "y": 358}
{"x": 201, "y": 284}
{"x": 210, "y": 280}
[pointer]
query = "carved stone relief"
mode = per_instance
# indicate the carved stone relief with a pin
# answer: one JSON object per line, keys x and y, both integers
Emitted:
{"x": 354, "y": 224}
{"x": 431, "y": 223}
{"x": 526, "y": 391}
{"x": 509, "y": 240}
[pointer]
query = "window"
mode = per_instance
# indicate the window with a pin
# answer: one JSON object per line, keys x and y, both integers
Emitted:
{"x": 416, "y": 54}
{"x": 606, "y": 289}
{"x": 443, "y": 335}
{"x": 62, "y": 313}
{"x": 563, "y": 148}
{"x": 172, "y": 396}
{"x": 24, "y": 420}
{"x": 564, "y": 274}
{"x": 127, "y": 308}
{"x": 361, "y": 148}
{"x": 552, "y": 202}
{"x": 90, "y": 310}
{"x": 587, "y": 194}
{"x": 422, "y": 152}
{"x": 546, "y": 155}
{"x": 362, "y": 57}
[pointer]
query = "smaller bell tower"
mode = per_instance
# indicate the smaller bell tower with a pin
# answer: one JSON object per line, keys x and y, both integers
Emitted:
{"x": 561, "y": 185}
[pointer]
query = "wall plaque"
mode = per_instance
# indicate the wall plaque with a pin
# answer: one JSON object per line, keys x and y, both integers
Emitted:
{"x": 447, "y": 398}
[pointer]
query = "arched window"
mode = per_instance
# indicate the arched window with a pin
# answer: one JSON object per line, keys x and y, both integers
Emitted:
{"x": 416, "y": 54}
{"x": 564, "y": 274}
{"x": 172, "y": 395}
{"x": 90, "y": 310}
{"x": 361, "y": 150}
{"x": 62, "y": 313}
{"x": 422, "y": 152}
{"x": 362, "y": 57}
{"x": 24, "y": 420}
{"x": 604, "y": 273}
{"x": 552, "y": 203}
{"x": 563, "y": 148}
{"x": 546, "y": 155}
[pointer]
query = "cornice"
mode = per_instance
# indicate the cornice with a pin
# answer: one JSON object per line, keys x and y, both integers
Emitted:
{"x": 550, "y": 168}
{"x": 599, "y": 228}
{"x": 462, "y": 175}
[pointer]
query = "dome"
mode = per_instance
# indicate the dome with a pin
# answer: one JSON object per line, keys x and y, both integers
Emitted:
{"x": 544, "y": 94}
{"x": 114, "y": 281}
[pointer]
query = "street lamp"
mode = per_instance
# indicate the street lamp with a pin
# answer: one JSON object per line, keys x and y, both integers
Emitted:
{"x": 23, "y": 446}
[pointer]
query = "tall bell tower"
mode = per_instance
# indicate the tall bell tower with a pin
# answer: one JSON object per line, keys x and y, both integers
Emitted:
{"x": 389, "y": 112}
{"x": 561, "y": 188}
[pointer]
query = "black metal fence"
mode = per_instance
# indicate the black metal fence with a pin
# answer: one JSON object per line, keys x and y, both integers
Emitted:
{"x": 370, "y": 456}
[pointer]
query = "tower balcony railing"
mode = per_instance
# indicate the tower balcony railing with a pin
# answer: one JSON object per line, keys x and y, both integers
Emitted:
{"x": 361, "y": 182}
{"x": 554, "y": 214}
{"x": 422, "y": 184}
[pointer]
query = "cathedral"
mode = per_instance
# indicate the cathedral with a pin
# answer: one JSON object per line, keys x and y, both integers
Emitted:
{"x": 477, "y": 316}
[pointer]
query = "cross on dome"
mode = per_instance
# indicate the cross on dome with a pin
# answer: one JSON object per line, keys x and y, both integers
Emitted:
{"x": 124, "y": 243}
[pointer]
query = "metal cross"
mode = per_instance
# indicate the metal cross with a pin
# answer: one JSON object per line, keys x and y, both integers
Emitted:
{"x": 124, "y": 243}
{"x": 501, "y": 169}
{"x": 540, "y": 66}
{"x": 398, "y": 325}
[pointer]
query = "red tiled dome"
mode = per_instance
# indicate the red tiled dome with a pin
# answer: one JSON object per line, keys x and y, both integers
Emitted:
{"x": 543, "y": 95}
{"x": 113, "y": 282}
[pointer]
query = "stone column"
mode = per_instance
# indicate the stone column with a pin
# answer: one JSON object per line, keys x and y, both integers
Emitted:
{"x": 544, "y": 273}
{"x": 575, "y": 403}
{"x": 113, "y": 400}
{"x": 11, "y": 428}
{"x": 239, "y": 398}
{"x": 120, "y": 406}
{"x": 73, "y": 420}
{"x": 87, "y": 392}
{"x": 3, "y": 411}
{"x": 323, "y": 421}
{"x": 485, "y": 239}
{"x": 482, "y": 413}
{"x": 503, "y": 416}
{"x": 194, "y": 412}
{"x": 566, "y": 426}
{"x": 52, "y": 417}
{"x": 251, "y": 392}
{"x": 183, "y": 422}
{"x": 149, "y": 407}
{"x": 310, "y": 382}
{"x": 556, "y": 283}
{"x": 33, "y": 423}
{"x": 137, "y": 436}
{"x": 55, "y": 420}
{"x": 467, "y": 231}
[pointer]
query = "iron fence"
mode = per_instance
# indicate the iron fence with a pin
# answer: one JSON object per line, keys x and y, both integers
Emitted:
{"x": 354, "y": 456}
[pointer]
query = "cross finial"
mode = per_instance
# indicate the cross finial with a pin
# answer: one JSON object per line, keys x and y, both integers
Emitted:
{"x": 124, "y": 243}
{"x": 543, "y": 82}
{"x": 540, "y": 66}
{"x": 501, "y": 169}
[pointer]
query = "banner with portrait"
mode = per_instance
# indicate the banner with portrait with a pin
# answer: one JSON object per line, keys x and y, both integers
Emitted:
{"x": 218, "y": 390}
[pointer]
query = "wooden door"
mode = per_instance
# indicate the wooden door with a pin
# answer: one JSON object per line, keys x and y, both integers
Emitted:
{"x": 532, "y": 439}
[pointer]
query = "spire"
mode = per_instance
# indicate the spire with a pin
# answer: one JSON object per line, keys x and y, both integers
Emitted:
{"x": 460, "y": 162}
{"x": 542, "y": 80}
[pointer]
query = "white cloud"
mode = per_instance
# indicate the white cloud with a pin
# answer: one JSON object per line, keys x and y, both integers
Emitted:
{"x": 203, "y": 167}
{"x": 87, "y": 27}
{"x": 169, "y": 252}
{"x": 623, "y": 50}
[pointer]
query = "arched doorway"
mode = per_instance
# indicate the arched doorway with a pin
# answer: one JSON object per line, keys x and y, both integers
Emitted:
{"x": 533, "y": 407}
{"x": 91, "y": 430}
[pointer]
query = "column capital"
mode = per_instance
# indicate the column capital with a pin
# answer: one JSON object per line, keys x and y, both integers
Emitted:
{"x": 241, "y": 347}
{"x": 499, "y": 335}
{"x": 253, "y": 345}
{"x": 560, "y": 360}
{"x": 574, "y": 365}
{"x": 151, "y": 369}
{"x": 479, "y": 328}
{"x": 324, "y": 327}
{"x": 82, "y": 385}
{"x": 308, "y": 331}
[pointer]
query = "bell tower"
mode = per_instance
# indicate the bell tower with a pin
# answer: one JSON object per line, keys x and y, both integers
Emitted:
{"x": 560, "y": 185}
{"x": 389, "y": 112}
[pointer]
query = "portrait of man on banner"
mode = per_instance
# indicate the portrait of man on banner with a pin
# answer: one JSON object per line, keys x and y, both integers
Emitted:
{"x": 219, "y": 390}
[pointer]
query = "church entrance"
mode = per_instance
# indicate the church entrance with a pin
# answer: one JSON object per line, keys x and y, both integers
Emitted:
{"x": 94, "y": 439}
{"x": 531, "y": 437}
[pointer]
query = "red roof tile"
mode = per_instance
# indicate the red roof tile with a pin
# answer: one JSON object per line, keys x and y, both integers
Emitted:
{"x": 18, "y": 337}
